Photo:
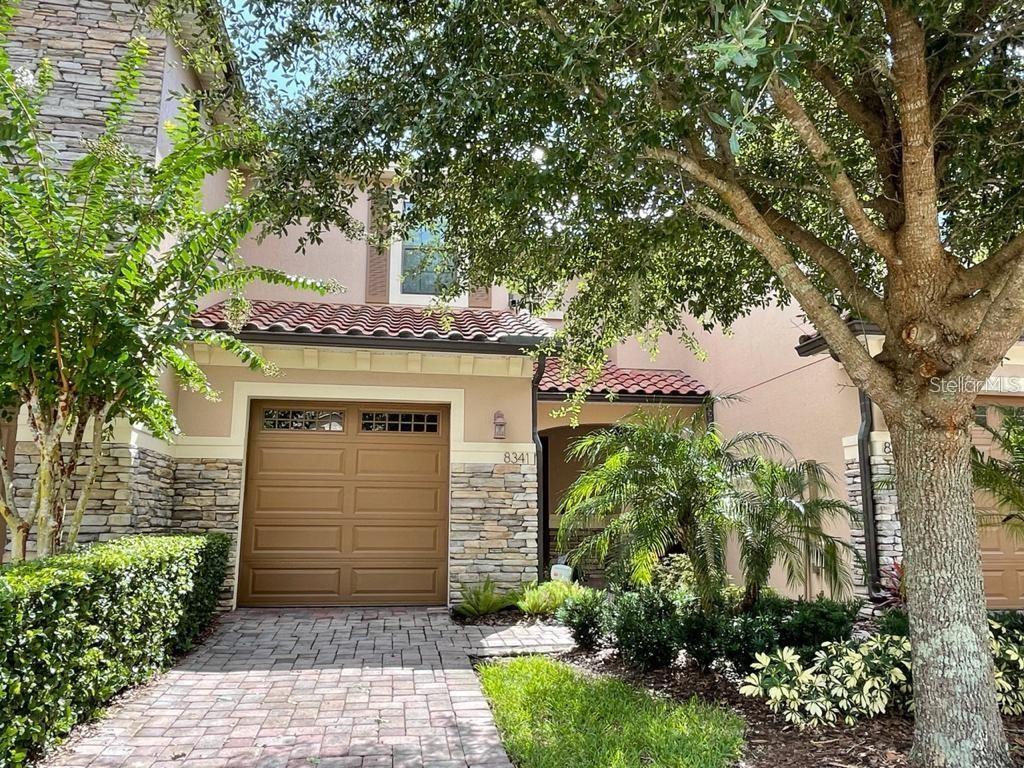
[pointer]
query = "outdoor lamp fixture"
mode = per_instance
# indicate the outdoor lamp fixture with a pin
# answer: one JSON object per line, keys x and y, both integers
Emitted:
{"x": 499, "y": 425}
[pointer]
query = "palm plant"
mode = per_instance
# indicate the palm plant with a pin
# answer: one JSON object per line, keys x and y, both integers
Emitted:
{"x": 655, "y": 483}
{"x": 1003, "y": 476}
{"x": 779, "y": 512}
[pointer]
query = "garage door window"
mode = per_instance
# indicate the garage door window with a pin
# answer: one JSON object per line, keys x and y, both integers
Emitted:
{"x": 303, "y": 420}
{"x": 399, "y": 421}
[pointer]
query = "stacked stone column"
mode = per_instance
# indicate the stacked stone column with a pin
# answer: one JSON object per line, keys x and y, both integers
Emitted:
{"x": 887, "y": 523}
{"x": 493, "y": 526}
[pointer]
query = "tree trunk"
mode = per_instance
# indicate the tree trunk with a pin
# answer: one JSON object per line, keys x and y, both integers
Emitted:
{"x": 751, "y": 594}
{"x": 19, "y": 542}
{"x": 47, "y": 479}
{"x": 957, "y": 722}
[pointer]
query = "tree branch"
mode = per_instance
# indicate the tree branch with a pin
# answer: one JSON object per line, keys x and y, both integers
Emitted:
{"x": 872, "y": 122}
{"x": 873, "y": 236}
{"x": 979, "y": 276}
{"x": 832, "y": 262}
{"x": 919, "y": 180}
{"x": 863, "y": 369}
{"x": 98, "y": 423}
{"x": 10, "y": 499}
{"x": 999, "y": 329}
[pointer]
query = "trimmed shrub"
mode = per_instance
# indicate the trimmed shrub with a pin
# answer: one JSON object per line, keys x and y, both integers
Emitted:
{"x": 699, "y": 633}
{"x": 75, "y": 629}
{"x": 644, "y": 628}
{"x": 544, "y": 599}
{"x": 740, "y": 638}
{"x": 725, "y": 633}
{"x": 813, "y": 622}
{"x": 584, "y": 614}
{"x": 482, "y": 599}
{"x": 893, "y": 622}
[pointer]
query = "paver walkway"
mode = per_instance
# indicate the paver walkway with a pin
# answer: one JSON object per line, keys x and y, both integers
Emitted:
{"x": 316, "y": 687}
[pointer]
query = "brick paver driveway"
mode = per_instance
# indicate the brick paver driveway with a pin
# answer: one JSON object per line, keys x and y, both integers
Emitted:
{"x": 317, "y": 687}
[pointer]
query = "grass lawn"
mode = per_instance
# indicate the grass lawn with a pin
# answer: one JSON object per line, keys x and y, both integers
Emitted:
{"x": 551, "y": 716}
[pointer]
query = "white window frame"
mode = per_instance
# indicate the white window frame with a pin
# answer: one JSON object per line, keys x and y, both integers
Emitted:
{"x": 395, "y": 279}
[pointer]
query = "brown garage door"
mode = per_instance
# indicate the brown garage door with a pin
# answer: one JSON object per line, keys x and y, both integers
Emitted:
{"x": 345, "y": 504}
{"x": 1002, "y": 562}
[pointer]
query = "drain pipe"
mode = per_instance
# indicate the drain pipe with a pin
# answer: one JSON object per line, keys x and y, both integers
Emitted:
{"x": 538, "y": 446}
{"x": 867, "y": 496}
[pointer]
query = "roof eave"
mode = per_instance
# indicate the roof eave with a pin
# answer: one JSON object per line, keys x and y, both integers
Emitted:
{"x": 510, "y": 345}
{"x": 816, "y": 344}
{"x": 629, "y": 398}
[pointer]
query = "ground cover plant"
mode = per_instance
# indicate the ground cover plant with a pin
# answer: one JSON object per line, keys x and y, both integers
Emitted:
{"x": 552, "y": 716}
{"x": 484, "y": 599}
{"x": 546, "y": 598}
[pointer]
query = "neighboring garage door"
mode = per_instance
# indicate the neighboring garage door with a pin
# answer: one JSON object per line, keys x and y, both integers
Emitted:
{"x": 345, "y": 504}
{"x": 1002, "y": 561}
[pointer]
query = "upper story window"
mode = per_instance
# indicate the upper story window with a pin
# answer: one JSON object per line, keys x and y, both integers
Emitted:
{"x": 421, "y": 275}
{"x": 416, "y": 276}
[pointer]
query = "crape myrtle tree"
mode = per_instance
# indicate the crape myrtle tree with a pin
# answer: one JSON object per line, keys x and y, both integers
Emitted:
{"x": 102, "y": 264}
{"x": 695, "y": 159}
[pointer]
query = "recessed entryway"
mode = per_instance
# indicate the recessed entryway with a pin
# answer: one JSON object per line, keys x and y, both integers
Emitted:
{"x": 345, "y": 504}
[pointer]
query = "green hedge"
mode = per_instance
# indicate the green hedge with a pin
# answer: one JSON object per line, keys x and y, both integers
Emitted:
{"x": 75, "y": 629}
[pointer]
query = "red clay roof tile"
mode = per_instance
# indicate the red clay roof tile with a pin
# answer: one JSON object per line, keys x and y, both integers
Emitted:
{"x": 379, "y": 321}
{"x": 625, "y": 381}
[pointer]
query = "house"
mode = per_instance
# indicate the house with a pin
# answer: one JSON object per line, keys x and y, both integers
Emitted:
{"x": 402, "y": 455}
{"x": 399, "y": 455}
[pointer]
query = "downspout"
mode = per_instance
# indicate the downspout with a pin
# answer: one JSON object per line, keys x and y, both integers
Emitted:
{"x": 867, "y": 496}
{"x": 542, "y": 502}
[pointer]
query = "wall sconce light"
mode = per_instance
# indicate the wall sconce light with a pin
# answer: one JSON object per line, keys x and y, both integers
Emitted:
{"x": 499, "y": 425}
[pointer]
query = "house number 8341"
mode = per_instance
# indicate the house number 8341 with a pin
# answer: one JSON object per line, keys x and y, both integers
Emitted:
{"x": 519, "y": 457}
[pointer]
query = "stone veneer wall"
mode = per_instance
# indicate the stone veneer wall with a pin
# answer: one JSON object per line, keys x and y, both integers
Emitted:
{"x": 207, "y": 495}
{"x": 493, "y": 526}
{"x": 85, "y": 40}
{"x": 132, "y": 495}
{"x": 887, "y": 523}
{"x": 143, "y": 491}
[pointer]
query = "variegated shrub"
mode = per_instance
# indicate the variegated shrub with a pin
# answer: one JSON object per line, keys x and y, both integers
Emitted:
{"x": 851, "y": 680}
{"x": 845, "y": 681}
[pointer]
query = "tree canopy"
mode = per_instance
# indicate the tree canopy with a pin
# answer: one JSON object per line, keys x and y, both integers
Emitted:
{"x": 601, "y": 143}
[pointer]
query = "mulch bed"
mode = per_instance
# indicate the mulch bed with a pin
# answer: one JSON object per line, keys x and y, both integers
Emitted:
{"x": 504, "y": 618}
{"x": 881, "y": 742}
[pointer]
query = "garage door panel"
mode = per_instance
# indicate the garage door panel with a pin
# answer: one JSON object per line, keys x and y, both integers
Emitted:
{"x": 298, "y": 498}
{"x": 271, "y": 539}
{"x": 294, "y": 582}
{"x": 347, "y": 517}
{"x": 396, "y": 500}
{"x": 395, "y": 581}
{"x": 295, "y": 459}
{"x": 398, "y": 540}
{"x": 425, "y": 462}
